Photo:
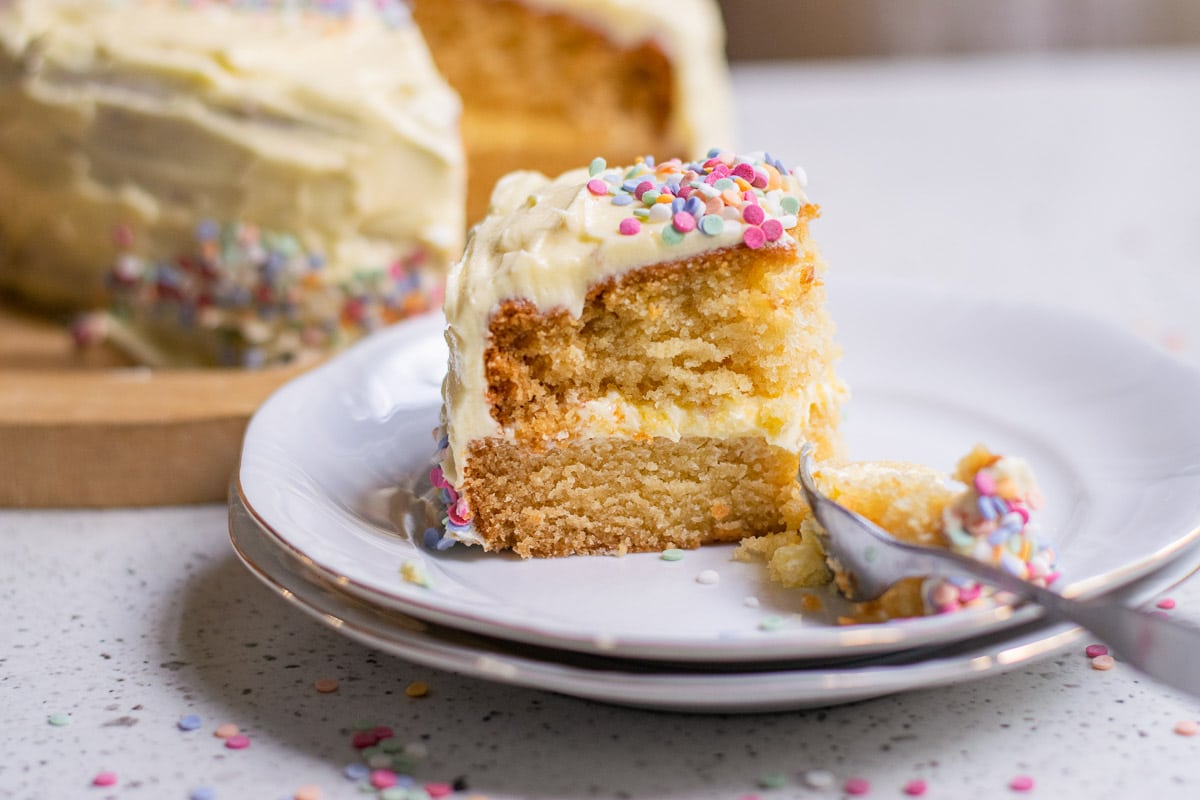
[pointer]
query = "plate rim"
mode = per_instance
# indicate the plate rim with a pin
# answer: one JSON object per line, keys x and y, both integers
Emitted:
{"x": 691, "y": 692}
{"x": 885, "y": 637}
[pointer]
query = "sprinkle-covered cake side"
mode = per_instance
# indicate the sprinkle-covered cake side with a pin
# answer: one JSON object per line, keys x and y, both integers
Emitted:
{"x": 666, "y": 319}
{"x": 245, "y": 297}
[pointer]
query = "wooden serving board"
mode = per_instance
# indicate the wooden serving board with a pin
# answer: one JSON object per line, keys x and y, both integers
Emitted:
{"x": 93, "y": 431}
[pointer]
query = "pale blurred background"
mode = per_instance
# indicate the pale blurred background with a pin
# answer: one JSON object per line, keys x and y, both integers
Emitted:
{"x": 1028, "y": 150}
{"x": 779, "y": 29}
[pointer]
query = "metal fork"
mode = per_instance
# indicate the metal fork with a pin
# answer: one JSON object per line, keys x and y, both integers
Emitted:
{"x": 873, "y": 560}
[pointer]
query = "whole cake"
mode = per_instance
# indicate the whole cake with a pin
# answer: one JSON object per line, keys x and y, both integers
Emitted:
{"x": 243, "y": 182}
{"x": 986, "y": 511}
{"x": 637, "y": 355}
{"x": 248, "y": 180}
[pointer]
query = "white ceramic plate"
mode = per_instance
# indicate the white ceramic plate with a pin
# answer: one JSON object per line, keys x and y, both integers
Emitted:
{"x": 1108, "y": 423}
{"x": 770, "y": 687}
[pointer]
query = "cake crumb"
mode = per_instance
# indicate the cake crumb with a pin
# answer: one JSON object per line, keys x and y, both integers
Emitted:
{"x": 413, "y": 572}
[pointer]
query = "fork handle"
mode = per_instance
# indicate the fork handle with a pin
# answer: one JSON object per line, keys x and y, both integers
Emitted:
{"x": 1166, "y": 651}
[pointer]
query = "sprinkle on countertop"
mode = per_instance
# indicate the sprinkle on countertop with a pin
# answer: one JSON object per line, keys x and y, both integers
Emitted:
{"x": 857, "y": 786}
{"x": 226, "y": 730}
{"x": 105, "y": 779}
{"x": 818, "y": 778}
{"x": 1021, "y": 783}
{"x": 189, "y": 722}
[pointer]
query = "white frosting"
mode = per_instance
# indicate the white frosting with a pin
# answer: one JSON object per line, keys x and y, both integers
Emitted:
{"x": 782, "y": 420}
{"x": 691, "y": 33}
{"x": 156, "y": 115}
{"x": 548, "y": 241}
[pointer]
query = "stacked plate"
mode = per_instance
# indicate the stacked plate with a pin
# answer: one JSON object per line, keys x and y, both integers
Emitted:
{"x": 324, "y": 509}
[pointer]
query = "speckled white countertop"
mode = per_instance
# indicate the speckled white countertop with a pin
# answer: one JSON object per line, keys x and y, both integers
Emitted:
{"x": 1070, "y": 180}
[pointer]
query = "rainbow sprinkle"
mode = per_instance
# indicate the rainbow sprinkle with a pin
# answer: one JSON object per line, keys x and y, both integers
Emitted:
{"x": 456, "y": 519}
{"x": 256, "y": 297}
{"x": 754, "y": 191}
{"x": 993, "y": 522}
{"x": 393, "y": 13}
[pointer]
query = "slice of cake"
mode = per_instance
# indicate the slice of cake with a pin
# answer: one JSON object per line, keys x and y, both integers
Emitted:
{"x": 637, "y": 355}
{"x": 546, "y": 84}
{"x": 984, "y": 511}
{"x": 247, "y": 181}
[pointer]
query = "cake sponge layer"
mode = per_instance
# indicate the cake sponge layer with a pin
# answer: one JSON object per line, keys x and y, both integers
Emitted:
{"x": 614, "y": 496}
